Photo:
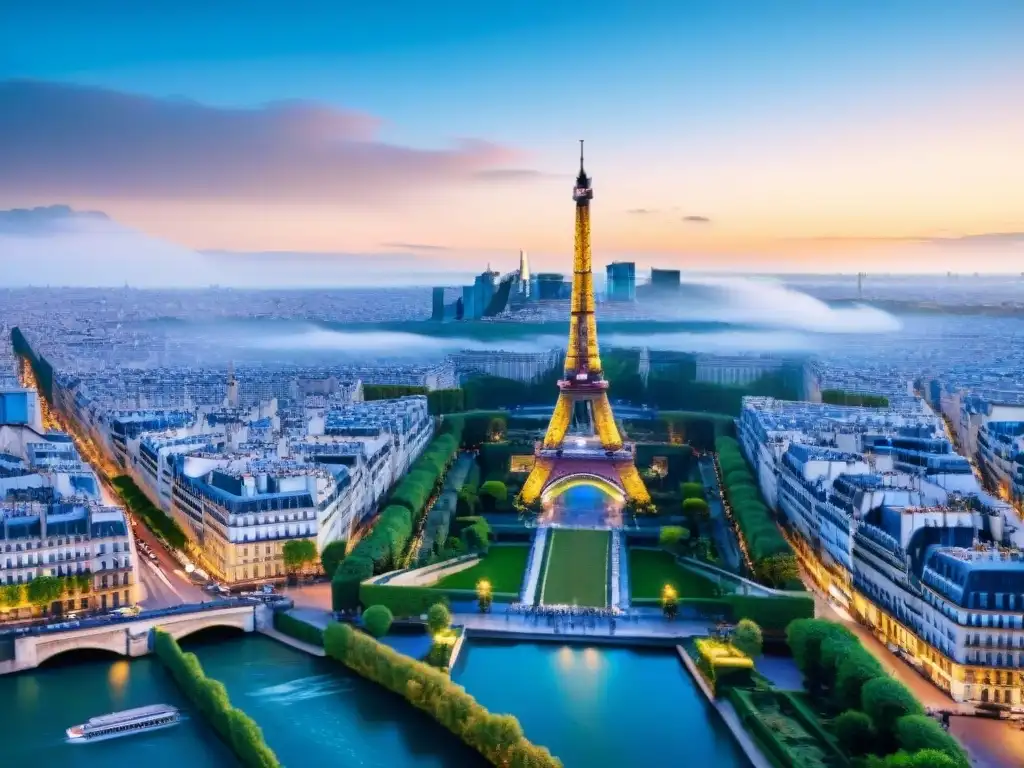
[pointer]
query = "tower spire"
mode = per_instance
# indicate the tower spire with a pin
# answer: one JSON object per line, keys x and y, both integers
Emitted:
{"x": 581, "y": 155}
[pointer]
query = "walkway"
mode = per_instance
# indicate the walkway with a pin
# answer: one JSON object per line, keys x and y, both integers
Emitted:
{"x": 990, "y": 743}
{"x": 440, "y": 515}
{"x": 721, "y": 530}
{"x": 635, "y": 628}
{"x": 533, "y": 567}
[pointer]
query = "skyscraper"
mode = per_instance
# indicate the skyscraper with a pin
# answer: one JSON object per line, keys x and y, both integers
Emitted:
{"x": 621, "y": 281}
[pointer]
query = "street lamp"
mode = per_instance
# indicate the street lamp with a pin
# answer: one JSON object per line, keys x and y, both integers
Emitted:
{"x": 484, "y": 595}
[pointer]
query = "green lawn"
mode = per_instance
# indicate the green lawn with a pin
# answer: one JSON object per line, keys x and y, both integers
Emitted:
{"x": 651, "y": 569}
{"x": 577, "y": 568}
{"x": 503, "y": 567}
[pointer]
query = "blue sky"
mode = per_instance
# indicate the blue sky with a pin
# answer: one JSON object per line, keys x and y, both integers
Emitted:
{"x": 780, "y": 122}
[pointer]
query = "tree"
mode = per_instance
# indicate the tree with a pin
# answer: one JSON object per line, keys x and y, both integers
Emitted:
{"x": 670, "y": 535}
{"x": 854, "y": 732}
{"x": 917, "y": 732}
{"x": 926, "y": 758}
{"x": 377, "y": 620}
{"x": 777, "y": 570}
{"x": 43, "y": 590}
{"x": 696, "y": 512}
{"x": 466, "y": 502}
{"x": 478, "y": 536}
{"x": 297, "y": 553}
{"x": 332, "y": 556}
{"x": 855, "y": 668}
{"x": 885, "y": 700}
{"x": 438, "y": 618}
{"x": 492, "y": 493}
{"x": 748, "y": 638}
{"x": 12, "y": 595}
{"x": 691, "y": 490}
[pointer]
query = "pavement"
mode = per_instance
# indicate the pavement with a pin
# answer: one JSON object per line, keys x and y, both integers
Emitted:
{"x": 990, "y": 743}
{"x": 722, "y": 532}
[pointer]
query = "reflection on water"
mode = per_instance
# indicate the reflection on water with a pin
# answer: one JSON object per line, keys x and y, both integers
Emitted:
{"x": 314, "y": 711}
{"x": 600, "y": 706}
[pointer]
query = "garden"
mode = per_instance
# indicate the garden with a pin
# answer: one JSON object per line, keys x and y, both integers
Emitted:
{"x": 576, "y": 571}
{"x": 650, "y": 570}
{"x": 503, "y": 567}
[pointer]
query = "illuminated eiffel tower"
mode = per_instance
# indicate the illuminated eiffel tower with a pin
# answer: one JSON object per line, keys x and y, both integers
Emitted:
{"x": 583, "y": 444}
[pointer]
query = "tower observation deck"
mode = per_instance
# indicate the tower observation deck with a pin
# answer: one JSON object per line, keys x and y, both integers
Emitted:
{"x": 583, "y": 444}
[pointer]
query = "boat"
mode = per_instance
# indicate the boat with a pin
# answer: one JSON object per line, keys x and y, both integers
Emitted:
{"x": 123, "y": 723}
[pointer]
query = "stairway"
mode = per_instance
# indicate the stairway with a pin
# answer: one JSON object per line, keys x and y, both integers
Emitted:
{"x": 528, "y": 596}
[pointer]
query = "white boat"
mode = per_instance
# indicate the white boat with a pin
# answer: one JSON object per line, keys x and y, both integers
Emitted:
{"x": 129, "y": 721}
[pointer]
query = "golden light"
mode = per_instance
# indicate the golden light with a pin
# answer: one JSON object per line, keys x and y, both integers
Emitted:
{"x": 483, "y": 587}
{"x": 669, "y": 592}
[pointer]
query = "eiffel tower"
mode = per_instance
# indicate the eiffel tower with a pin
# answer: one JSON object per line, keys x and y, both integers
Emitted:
{"x": 583, "y": 444}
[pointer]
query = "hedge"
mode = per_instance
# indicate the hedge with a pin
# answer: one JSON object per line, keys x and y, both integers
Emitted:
{"x": 917, "y": 732}
{"x": 763, "y": 539}
{"x": 383, "y": 547}
{"x": 405, "y": 602}
{"x": 235, "y": 727}
{"x": 773, "y": 614}
{"x": 155, "y": 518}
{"x": 300, "y": 630}
{"x": 499, "y": 738}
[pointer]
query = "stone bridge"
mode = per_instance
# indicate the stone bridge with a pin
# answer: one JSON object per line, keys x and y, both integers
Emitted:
{"x": 130, "y": 638}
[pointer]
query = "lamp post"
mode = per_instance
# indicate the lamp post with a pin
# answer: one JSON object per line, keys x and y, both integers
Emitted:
{"x": 484, "y": 595}
{"x": 669, "y": 601}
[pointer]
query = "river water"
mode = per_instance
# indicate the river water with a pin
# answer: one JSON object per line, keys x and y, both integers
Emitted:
{"x": 590, "y": 706}
{"x": 604, "y": 706}
{"x": 312, "y": 712}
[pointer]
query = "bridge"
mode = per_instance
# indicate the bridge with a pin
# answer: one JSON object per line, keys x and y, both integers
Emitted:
{"x": 128, "y": 636}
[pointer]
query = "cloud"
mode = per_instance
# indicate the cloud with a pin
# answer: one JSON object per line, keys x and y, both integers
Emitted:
{"x": 68, "y": 140}
{"x": 44, "y": 221}
{"x": 416, "y": 247}
{"x": 985, "y": 238}
{"x": 513, "y": 174}
{"x": 982, "y": 238}
{"x": 697, "y": 219}
{"x": 641, "y": 211}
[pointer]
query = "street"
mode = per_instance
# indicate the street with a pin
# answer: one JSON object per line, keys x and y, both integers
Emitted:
{"x": 990, "y": 743}
{"x": 720, "y": 527}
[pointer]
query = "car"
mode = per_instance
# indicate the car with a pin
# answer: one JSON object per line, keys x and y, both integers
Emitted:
{"x": 152, "y": 555}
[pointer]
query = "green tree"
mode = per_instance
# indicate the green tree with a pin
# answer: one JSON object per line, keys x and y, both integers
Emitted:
{"x": 691, "y": 491}
{"x": 43, "y": 590}
{"x": 377, "y": 620}
{"x": 332, "y": 557}
{"x": 777, "y": 570}
{"x": 12, "y": 595}
{"x": 670, "y": 535}
{"x": 438, "y": 618}
{"x": 748, "y": 638}
{"x": 492, "y": 493}
{"x": 854, "y": 731}
{"x": 917, "y": 732}
{"x": 297, "y": 553}
{"x": 885, "y": 700}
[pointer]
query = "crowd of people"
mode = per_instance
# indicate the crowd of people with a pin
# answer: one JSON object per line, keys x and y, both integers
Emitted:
{"x": 568, "y": 616}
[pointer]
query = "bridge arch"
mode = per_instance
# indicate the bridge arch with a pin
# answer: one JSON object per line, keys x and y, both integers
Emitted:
{"x": 557, "y": 487}
{"x": 182, "y": 629}
{"x": 47, "y": 651}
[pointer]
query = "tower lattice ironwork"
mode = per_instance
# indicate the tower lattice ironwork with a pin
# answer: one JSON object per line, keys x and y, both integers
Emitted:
{"x": 582, "y": 440}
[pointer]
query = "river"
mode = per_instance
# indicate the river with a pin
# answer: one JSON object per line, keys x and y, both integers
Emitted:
{"x": 312, "y": 712}
{"x": 600, "y": 706}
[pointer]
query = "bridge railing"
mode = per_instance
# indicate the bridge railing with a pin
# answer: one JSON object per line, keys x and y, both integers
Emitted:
{"x": 112, "y": 619}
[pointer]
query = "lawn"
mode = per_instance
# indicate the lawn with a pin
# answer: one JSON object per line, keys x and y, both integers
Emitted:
{"x": 503, "y": 567}
{"x": 577, "y": 568}
{"x": 651, "y": 569}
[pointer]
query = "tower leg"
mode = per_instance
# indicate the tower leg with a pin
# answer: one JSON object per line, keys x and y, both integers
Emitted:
{"x": 604, "y": 423}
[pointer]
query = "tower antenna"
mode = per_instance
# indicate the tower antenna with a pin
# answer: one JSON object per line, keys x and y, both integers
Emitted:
{"x": 581, "y": 155}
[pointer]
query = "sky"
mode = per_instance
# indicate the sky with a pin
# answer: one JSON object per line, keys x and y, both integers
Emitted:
{"x": 801, "y": 136}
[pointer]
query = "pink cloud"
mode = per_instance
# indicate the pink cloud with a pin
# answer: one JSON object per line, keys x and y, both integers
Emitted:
{"x": 73, "y": 141}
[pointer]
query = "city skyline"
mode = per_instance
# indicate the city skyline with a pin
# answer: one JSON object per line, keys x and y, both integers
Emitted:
{"x": 741, "y": 139}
